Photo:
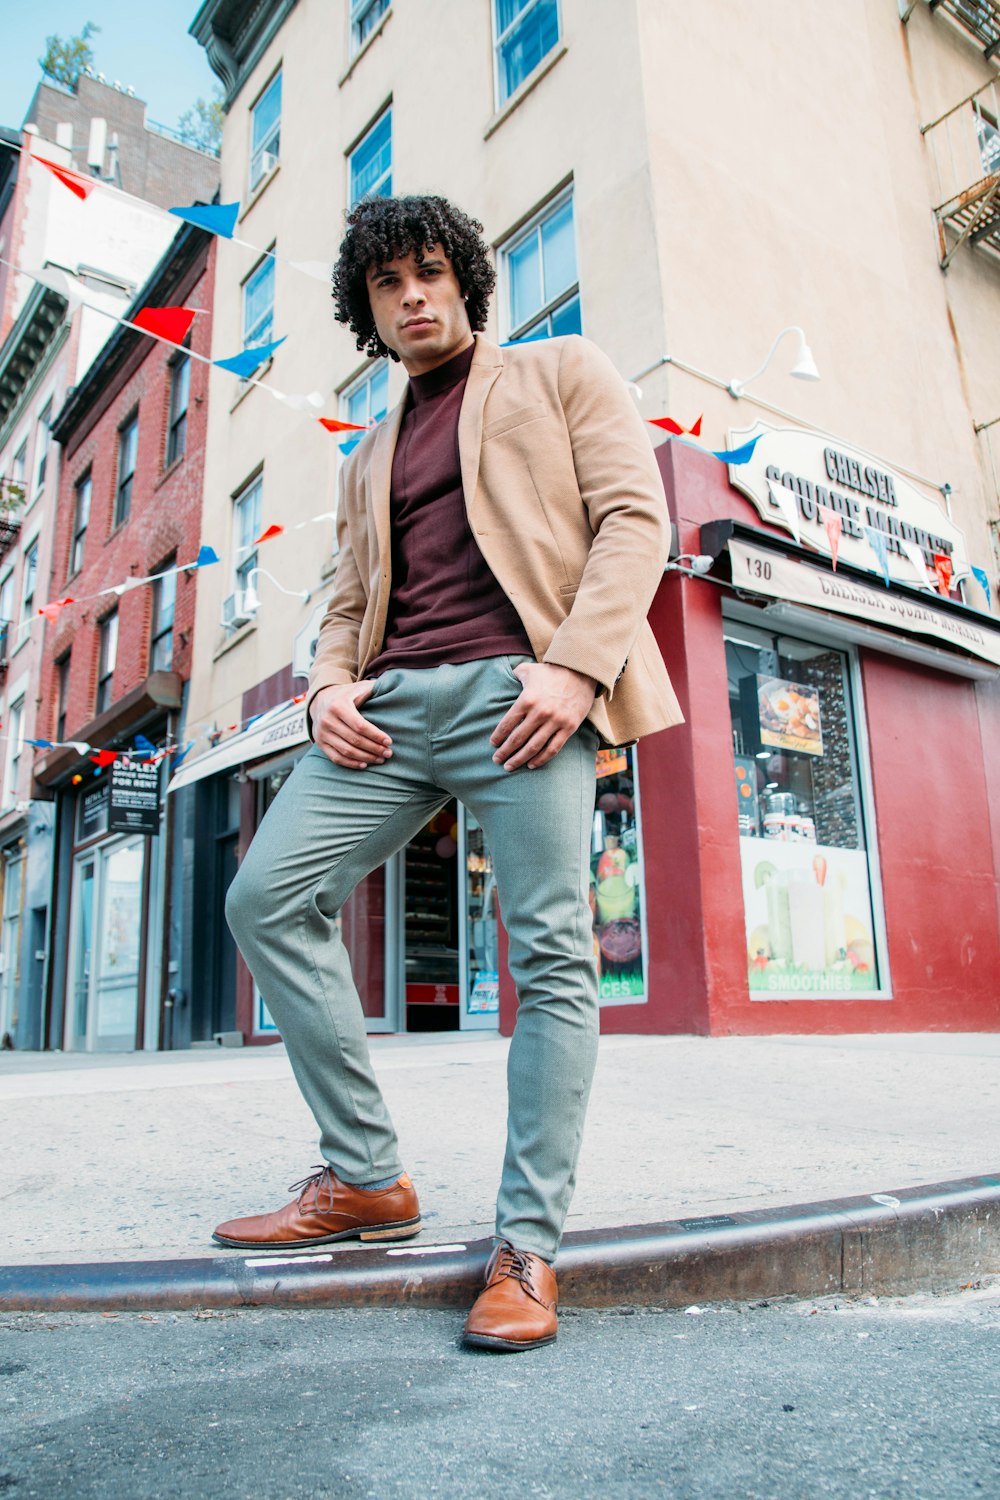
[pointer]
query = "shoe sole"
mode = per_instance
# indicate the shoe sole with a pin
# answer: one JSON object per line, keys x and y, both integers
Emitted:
{"x": 404, "y": 1230}
{"x": 504, "y": 1346}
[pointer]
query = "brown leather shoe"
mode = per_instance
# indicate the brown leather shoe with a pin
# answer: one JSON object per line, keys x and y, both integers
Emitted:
{"x": 517, "y": 1308}
{"x": 328, "y": 1209}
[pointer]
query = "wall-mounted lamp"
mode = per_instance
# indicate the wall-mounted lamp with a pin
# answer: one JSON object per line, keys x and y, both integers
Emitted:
{"x": 691, "y": 562}
{"x": 251, "y": 600}
{"x": 803, "y": 369}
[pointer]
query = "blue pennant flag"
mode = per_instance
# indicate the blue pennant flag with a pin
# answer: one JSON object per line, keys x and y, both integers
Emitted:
{"x": 244, "y": 364}
{"x": 180, "y": 756}
{"x": 876, "y": 542}
{"x": 205, "y": 556}
{"x": 40, "y": 744}
{"x": 144, "y": 749}
{"x": 741, "y": 455}
{"x": 220, "y": 218}
{"x": 982, "y": 579}
{"x": 349, "y": 446}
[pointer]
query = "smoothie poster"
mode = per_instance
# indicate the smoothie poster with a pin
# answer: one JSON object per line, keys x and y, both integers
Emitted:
{"x": 808, "y": 920}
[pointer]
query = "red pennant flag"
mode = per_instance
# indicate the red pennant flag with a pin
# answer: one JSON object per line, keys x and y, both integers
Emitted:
{"x": 266, "y": 536}
{"x": 833, "y": 525}
{"x": 51, "y": 611}
{"x": 300, "y": 699}
{"x": 943, "y": 569}
{"x": 332, "y": 425}
{"x": 103, "y": 758}
{"x": 170, "y": 323}
{"x": 669, "y": 425}
{"x": 81, "y": 186}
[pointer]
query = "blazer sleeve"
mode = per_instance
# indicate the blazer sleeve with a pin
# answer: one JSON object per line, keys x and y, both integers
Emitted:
{"x": 623, "y": 495}
{"x": 336, "y": 659}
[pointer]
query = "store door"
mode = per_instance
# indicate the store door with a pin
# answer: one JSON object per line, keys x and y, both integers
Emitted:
{"x": 10, "y": 939}
{"x": 106, "y": 947}
{"x": 425, "y": 882}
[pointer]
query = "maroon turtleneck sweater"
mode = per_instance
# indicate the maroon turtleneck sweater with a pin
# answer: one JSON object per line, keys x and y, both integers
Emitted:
{"x": 446, "y": 605}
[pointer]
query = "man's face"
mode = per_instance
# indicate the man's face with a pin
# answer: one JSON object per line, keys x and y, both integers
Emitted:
{"x": 419, "y": 309}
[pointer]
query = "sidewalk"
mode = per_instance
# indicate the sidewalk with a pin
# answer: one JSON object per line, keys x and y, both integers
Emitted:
{"x": 137, "y": 1157}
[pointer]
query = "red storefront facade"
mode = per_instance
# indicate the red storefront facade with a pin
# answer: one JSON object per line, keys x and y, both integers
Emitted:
{"x": 925, "y": 750}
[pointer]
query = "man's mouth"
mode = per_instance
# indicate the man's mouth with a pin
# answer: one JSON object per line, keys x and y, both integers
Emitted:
{"x": 418, "y": 322}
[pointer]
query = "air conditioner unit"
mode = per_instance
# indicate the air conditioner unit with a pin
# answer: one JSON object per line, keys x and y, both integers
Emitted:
{"x": 236, "y": 610}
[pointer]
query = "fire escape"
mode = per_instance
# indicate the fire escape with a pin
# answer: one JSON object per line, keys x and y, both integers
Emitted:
{"x": 980, "y": 19}
{"x": 964, "y": 145}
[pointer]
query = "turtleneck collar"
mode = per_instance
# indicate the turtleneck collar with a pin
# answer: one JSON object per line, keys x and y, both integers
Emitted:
{"x": 442, "y": 377}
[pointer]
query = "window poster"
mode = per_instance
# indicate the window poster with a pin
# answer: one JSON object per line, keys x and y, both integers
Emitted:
{"x": 616, "y": 881}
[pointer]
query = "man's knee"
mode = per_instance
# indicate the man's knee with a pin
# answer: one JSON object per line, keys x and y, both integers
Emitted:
{"x": 246, "y": 901}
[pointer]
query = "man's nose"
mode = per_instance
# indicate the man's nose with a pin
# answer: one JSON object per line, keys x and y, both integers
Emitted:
{"x": 413, "y": 292}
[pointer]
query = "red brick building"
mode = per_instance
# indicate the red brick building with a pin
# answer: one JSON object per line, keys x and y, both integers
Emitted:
{"x": 117, "y": 659}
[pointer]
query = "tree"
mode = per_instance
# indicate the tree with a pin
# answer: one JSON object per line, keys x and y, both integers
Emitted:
{"x": 201, "y": 125}
{"x": 65, "y": 61}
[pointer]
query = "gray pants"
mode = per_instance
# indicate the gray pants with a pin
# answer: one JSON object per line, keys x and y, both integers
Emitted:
{"x": 329, "y": 827}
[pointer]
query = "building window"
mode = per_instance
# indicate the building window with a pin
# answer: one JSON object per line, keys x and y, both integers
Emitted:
{"x": 29, "y": 579}
{"x": 367, "y": 400}
{"x": 15, "y": 738}
{"x": 107, "y": 656}
{"x": 128, "y": 444}
{"x": 6, "y": 615}
{"x": 42, "y": 438}
{"x": 365, "y": 16}
{"x": 161, "y": 626}
{"x": 246, "y": 528}
{"x": 265, "y": 139}
{"x": 988, "y": 137}
{"x": 371, "y": 162}
{"x": 180, "y": 390}
{"x": 62, "y": 695}
{"x": 17, "y": 489}
{"x": 540, "y": 276}
{"x": 526, "y": 31}
{"x": 258, "y": 304}
{"x": 81, "y": 518}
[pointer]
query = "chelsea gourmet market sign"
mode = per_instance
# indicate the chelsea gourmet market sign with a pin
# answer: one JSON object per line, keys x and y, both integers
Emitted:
{"x": 820, "y": 471}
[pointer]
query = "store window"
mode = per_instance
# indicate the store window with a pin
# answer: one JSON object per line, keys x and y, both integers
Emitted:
{"x": 371, "y": 162}
{"x": 617, "y": 896}
{"x": 808, "y": 885}
{"x": 265, "y": 145}
{"x": 540, "y": 276}
{"x": 525, "y": 31}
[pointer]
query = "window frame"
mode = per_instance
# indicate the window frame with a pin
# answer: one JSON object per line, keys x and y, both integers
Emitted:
{"x": 266, "y": 266}
{"x": 43, "y": 425}
{"x": 79, "y": 537}
{"x": 19, "y": 470}
{"x": 273, "y": 136}
{"x": 6, "y": 620}
{"x": 180, "y": 371}
{"x": 107, "y": 659}
{"x": 360, "y": 25}
{"x": 124, "y": 483}
{"x": 513, "y": 242}
{"x": 383, "y": 184}
{"x": 249, "y": 497}
{"x": 62, "y": 669}
{"x": 376, "y": 370}
{"x": 15, "y": 740}
{"x": 161, "y": 629}
{"x": 500, "y": 38}
{"x": 29, "y": 582}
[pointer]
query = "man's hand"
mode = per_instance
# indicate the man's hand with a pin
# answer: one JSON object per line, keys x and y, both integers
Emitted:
{"x": 340, "y": 731}
{"x": 553, "y": 704}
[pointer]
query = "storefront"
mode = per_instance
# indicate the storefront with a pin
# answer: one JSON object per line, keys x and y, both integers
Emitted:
{"x": 821, "y": 838}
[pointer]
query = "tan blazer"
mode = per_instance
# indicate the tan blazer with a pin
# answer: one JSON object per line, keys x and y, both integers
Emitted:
{"x": 566, "y": 503}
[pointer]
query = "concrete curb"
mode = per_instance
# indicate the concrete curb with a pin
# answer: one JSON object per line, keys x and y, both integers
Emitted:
{"x": 885, "y": 1243}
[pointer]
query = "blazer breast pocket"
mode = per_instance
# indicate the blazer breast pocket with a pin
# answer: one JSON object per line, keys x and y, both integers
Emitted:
{"x": 512, "y": 419}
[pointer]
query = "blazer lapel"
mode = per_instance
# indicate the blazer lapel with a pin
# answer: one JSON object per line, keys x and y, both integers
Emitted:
{"x": 487, "y": 362}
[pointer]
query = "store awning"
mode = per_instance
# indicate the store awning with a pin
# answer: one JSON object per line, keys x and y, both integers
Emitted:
{"x": 769, "y": 571}
{"x": 278, "y": 730}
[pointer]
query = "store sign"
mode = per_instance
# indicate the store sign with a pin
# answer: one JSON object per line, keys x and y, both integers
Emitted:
{"x": 824, "y": 475}
{"x": 779, "y": 577}
{"x": 92, "y": 818}
{"x": 485, "y": 997}
{"x": 135, "y": 797}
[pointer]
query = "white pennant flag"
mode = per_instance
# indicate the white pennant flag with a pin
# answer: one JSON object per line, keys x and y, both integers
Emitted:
{"x": 787, "y": 502}
{"x": 916, "y": 557}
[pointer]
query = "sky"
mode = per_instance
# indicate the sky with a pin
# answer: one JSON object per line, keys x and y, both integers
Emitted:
{"x": 144, "y": 45}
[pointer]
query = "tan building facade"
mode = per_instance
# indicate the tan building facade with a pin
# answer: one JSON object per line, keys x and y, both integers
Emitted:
{"x": 679, "y": 182}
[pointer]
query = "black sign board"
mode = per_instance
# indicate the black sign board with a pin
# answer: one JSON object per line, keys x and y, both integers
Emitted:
{"x": 135, "y": 797}
{"x": 92, "y": 816}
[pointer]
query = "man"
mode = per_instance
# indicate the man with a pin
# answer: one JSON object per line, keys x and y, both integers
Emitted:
{"x": 502, "y": 533}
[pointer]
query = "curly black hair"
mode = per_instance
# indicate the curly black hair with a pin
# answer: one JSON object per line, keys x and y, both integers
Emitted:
{"x": 382, "y": 229}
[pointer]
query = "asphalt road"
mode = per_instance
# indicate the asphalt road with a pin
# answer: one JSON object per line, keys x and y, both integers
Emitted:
{"x": 852, "y": 1399}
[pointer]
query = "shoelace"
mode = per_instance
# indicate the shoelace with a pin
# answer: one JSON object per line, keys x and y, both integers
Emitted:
{"x": 506, "y": 1261}
{"x": 323, "y": 1180}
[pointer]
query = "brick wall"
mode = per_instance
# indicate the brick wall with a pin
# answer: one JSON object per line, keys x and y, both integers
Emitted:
{"x": 164, "y": 519}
